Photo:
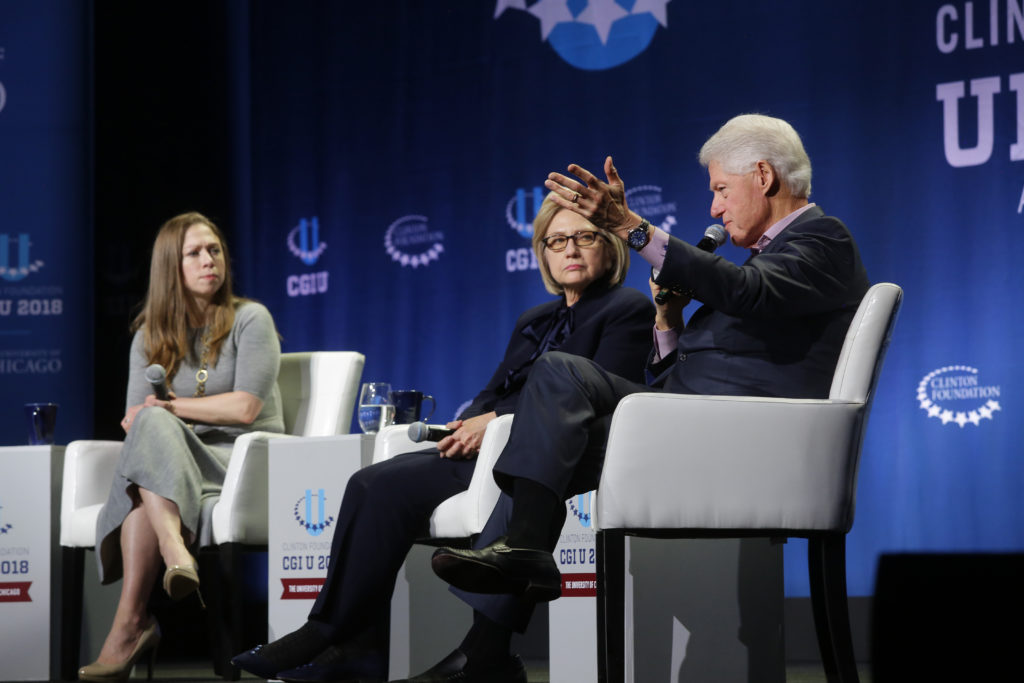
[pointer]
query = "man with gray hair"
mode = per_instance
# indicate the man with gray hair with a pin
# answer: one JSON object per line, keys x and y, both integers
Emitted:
{"x": 773, "y": 326}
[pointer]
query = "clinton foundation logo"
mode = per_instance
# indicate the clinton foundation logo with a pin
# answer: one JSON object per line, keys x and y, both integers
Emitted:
{"x": 955, "y": 394}
{"x": 647, "y": 201}
{"x": 594, "y": 34}
{"x": 520, "y": 211}
{"x": 309, "y": 513}
{"x": 15, "y": 263}
{"x": 304, "y": 244}
{"x": 410, "y": 242}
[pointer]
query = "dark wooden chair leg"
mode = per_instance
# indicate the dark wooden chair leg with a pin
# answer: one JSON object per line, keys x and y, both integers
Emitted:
{"x": 72, "y": 576}
{"x": 826, "y": 563}
{"x": 611, "y": 582}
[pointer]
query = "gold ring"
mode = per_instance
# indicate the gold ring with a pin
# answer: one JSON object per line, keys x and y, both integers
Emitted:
{"x": 575, "y": 197}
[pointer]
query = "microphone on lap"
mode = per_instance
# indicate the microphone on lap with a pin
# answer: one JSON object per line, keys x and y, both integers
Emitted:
{"x": 421, "y": 431}
{"x": 714, "y": 237}
{"x": 157, "y": 377}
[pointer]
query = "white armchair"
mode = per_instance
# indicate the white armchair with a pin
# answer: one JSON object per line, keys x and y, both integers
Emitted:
{"x": 318, "y": 393}
{"x": 464, "y": 514}
{"x": 687, "y": 466}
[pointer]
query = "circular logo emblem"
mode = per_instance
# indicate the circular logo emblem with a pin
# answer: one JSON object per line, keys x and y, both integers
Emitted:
{"x": 309, "y": 505}
{"x": 410, "y": 242}
{"x": 954, "y": 394}
{"x": 304, "y": 241}
{"x": 580, "y": 508}
{"x": 647, "y": 201}
{"x": 595, "y": 34}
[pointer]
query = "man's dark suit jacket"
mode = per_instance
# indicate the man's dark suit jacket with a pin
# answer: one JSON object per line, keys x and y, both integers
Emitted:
{"x": 773, "y": 326}
{"x": 610, "y": 326}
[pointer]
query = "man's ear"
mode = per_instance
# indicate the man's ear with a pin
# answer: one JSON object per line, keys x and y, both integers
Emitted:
{"x": 767, "y": 178}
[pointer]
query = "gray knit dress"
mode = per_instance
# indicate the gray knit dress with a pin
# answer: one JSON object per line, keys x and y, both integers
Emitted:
{"x": 164, "y": 455}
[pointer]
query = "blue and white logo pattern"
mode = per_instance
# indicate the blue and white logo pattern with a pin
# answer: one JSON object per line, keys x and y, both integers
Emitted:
{"x": 647, "y": 201}
{"x": 304, "y": 241}
{"x": 12, "y": 272}
{"x": 304, "y": 513}
{"x": 410, "y": 242}
{"x": 4, "y": 528}
{"x": 595, "y": 34}
{"x": 522, "y": 209}
{"x": 580, "y": 508}
{"x": 955, "y": 394}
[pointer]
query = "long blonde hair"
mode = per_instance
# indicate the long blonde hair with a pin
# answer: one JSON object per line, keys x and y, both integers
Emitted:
{"x": 169, "y": 314}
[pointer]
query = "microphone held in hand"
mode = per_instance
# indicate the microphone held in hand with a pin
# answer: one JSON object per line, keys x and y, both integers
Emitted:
{"x": 421, "y": 431}
{"x": 714, "y": 237}
{"x": 157, "y": 376}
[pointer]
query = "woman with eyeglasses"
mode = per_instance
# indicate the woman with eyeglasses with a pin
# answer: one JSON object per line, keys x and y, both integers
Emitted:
{"x": 388, "y": 505}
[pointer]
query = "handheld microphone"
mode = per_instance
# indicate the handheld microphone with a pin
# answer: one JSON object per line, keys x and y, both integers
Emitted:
{"x": 157, "y": 376}
{"x": 421, "y": 431}
{"x": 714, "y": 237}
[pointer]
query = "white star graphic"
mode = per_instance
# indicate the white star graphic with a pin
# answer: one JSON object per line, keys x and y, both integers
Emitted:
{"x": 933, "y": 411}
{"x": 550, "y": 13}
{"x": 655, "y": 7}
{"x": 601, "y": 14}
{"x": 994, "y": 405}
{"x": 505, "y": 4}
{"x": 961, "y": 419}
{"x": 946, "y": 416}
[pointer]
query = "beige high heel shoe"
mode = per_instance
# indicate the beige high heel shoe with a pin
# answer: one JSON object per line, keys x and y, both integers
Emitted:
{"x": 180, "y": 580}
{"x": 116, "y": 673}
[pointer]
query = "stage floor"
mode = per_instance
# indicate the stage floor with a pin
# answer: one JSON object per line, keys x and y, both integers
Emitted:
{"x": 200, "y": 672}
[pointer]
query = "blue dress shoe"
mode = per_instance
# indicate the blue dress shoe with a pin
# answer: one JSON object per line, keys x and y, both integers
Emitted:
{"x": 339, "y": 665}
{"x": 497, "y": 568}
{"x": 454, "y": 669}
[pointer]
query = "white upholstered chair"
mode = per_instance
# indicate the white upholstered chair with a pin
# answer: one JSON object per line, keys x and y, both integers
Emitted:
{"x": 686, "y": 466}
{"x": 318, "y": 393}
{"x": 465, "y": 513}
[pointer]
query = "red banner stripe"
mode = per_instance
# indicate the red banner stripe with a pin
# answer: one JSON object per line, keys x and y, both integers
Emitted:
{"x": 579, "y": 585}
{"x": 15, "y": 592}
{"x": 301, "y": 589}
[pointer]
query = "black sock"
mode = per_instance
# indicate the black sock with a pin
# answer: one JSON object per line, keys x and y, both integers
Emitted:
{"x": 486, "y": 643}
{"x": 535, "y": 508}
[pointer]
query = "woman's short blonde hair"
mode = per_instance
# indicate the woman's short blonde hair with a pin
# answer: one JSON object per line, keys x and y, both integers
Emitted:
{"x": 616, "y": 251}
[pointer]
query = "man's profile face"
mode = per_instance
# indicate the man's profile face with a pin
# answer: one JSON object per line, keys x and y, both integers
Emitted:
{"x": 740, "y": 202}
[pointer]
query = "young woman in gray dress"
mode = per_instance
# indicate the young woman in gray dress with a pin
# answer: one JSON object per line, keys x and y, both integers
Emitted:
{"x": 221, "y": 355}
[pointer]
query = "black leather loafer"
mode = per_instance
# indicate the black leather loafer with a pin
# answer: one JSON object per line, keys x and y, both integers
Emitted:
{"x": 498, "y": 568}
{"x": 339, "y": 665}
{"x": 452, "y": 669}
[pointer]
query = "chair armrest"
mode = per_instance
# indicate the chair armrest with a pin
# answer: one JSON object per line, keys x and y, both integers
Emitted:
{"x": 465, "y": 513}
{"x": 89, "y": 468}
{"x": 240, "y": 516}
{"x": 394, "y": 440}
{"x": 679, "y": 461}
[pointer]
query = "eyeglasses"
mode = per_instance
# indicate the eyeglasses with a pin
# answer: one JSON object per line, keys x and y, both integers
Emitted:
{"x": 583, "y": 238}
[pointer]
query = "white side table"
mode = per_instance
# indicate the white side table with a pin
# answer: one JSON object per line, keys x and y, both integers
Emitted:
{"x": 30, "y": 479}
{"x": 307, "y": 481}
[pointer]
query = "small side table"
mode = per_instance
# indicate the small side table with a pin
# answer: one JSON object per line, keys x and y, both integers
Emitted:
{"x": 308, "y": 477}
{"x": 30, "y": 480}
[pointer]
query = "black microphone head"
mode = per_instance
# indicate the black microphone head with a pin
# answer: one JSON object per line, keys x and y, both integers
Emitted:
{"x": 418, "y": 432}
{"x": 155, "y": 374}
{"x": 716, "y": 233}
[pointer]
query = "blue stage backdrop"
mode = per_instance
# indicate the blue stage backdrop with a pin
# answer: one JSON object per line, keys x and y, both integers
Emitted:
{"x": 45, "y": 228}
{"x": 394, "y": 154}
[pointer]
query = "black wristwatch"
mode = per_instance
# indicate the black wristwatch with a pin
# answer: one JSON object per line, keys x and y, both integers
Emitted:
{"x": 638, "y": 237}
